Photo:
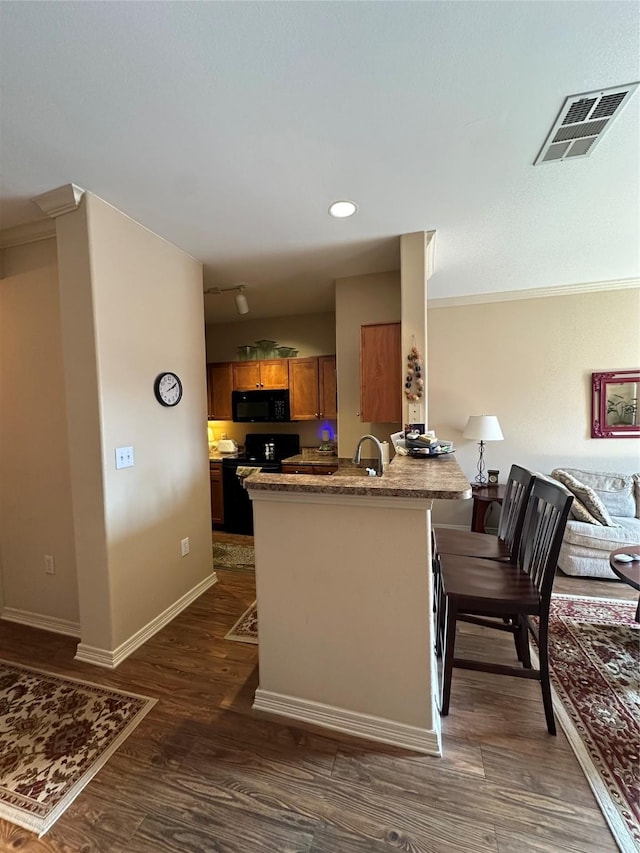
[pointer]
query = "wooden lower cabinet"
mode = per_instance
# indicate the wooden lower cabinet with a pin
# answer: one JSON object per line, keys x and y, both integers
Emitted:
{"x": 309, "y": 469}
{"x": 217, "y": 503}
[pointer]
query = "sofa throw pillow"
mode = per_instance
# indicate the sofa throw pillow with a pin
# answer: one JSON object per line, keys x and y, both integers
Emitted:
{"x": 588, "y": 500}
{"x": 614, "y": 490}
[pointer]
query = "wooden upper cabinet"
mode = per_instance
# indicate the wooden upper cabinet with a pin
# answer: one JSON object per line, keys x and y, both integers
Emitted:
{"x": 220, "y": 382}
{"x": 275, "y": 373}
{"x": 380, "y": 373}
{"x": 327, "y": 387}
{"x": 312, "y": 388}
{"x": 303, "y": 389}
{"x": 246, "y": 375}
{"x": 261, "y": 375}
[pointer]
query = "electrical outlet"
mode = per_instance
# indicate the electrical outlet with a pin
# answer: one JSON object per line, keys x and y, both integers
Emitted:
{"x": 184, "y": 547}
{"x": 124, "y": 457}
{"x": 49, "y": 565}
{"x": 414, "y": 413}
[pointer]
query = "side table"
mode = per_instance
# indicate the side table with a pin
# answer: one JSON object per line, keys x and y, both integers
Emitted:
{"x": 483, "y": 497}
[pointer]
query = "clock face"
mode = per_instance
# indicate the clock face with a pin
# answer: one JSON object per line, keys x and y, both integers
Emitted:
{"x": 168, "y": 389}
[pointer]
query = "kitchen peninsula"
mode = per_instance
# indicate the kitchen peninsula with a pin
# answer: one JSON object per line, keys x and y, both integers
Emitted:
{"x": 344, "y": 588}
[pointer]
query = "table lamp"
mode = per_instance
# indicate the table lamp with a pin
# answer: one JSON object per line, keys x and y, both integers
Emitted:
{"x": 482, "y": 428}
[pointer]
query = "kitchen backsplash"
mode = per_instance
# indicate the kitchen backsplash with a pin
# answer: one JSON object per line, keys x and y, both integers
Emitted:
{"x": 310, "y": 432}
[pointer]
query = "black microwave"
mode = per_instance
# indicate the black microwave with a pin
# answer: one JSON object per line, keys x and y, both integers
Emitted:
{"x": 260, "y": 406}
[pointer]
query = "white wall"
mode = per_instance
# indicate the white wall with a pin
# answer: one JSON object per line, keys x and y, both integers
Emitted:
{"x": 359, "y": 300}
{"x": 530, "y": 362}
{"x": 131, "y": 308}
{"x": 310, "y": 334}
{"x": 35, "y": 487}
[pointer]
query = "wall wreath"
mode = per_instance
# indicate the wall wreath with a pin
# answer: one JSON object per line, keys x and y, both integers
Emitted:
{"x": 413, "y": 382}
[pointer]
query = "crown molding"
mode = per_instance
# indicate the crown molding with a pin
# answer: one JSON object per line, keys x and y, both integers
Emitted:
{"x": 63, "y": 199}
{"x": 28, "y": 232}
{"x": 534, "y": 293}
{"x": 431, "y": 253}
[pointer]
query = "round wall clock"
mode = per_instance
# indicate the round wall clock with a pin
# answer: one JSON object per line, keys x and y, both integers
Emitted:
{"x": 168, "y": 389}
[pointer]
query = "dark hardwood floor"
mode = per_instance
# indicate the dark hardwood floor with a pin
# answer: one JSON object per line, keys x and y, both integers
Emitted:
{"x": 203, "y": 772}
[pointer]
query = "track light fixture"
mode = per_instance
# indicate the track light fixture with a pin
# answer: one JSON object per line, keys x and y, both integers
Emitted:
{"x": 242, "y": 306}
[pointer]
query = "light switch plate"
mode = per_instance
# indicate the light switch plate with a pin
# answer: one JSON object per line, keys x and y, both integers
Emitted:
{"x": 124, "y": 457}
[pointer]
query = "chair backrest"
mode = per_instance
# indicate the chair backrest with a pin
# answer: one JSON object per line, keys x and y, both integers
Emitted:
{"x": 514, "y": 506}
{"x": 544, "y": 524}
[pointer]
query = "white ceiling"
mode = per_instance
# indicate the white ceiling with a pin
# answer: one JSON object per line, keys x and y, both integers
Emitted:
{"x": 229, "y": 127}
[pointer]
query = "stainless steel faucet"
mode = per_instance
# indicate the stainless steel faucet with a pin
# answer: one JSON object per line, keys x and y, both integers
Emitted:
{"x": 378, "y": 446}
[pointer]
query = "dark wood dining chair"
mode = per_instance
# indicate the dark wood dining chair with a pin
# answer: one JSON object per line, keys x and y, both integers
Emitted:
{"x": 506, "y": 596}
{"x": 505, "y": 545}
{"x": 502, "y": 547}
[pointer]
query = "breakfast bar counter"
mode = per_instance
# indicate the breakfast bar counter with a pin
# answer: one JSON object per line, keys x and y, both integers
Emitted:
{"x": 406, "y": 477}
{"x": 344, "y": 590}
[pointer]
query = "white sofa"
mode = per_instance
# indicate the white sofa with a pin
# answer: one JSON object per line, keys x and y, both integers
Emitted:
{"x": 605, "y": 516}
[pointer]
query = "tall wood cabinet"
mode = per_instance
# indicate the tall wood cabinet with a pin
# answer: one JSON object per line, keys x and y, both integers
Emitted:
{"x": 252, "y": 375}
{"x": 380, "y": 373}
{"x": 312, "y": 388}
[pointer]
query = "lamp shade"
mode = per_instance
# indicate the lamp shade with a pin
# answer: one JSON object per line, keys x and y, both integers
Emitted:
{"x": 483, "y": 428}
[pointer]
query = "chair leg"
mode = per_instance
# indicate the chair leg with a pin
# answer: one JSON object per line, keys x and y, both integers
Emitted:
{"x": 517, "y": 634}
{"x": 545, "y": 682}
{"x": 521, "y": 638}
{"x": 438, "y": 608}
{"x": 450, "y": 620}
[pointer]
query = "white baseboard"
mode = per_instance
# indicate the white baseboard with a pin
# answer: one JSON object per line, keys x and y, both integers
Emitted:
{"x": 349, "y": 722}
{"x": 451, "y": 526}
{"x": 44, "y": 623}
{"x": 110, "y": 659}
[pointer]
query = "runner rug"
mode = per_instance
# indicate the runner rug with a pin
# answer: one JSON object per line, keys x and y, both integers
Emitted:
{"x": 239, "y": 558}
{"x": 55, "y": 734}
{"x": 246, "y": 628}
{"x": 594, "y": 657}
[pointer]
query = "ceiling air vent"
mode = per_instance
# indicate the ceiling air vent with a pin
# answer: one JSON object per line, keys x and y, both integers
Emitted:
{"x": 582, "y": 123}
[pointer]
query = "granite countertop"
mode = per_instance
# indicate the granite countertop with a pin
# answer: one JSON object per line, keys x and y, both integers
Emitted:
{"x": 405, "y": 477}
{"x": 311, "y": 456}
{"x": 216, "y": 456}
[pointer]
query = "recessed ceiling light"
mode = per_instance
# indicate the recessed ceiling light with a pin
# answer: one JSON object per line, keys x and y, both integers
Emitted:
{"x": 342, "y": 209}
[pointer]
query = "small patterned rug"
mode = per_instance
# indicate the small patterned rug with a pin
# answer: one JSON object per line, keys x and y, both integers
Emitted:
{"x": 55, "y": 734}
{"x": 246, "y": 628}
{"x": 594, "y": 655}
{"x": 239, "y": 558}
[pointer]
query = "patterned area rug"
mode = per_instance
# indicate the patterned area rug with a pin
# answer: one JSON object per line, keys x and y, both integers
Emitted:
{"x": 246, "y": 628}
{"x": 594, "y": 654}
{"x": 55, "y": 734}
{"x": 239, "y": 558}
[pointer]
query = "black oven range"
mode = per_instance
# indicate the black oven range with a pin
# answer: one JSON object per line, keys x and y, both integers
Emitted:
{"x": 262, "y": 450}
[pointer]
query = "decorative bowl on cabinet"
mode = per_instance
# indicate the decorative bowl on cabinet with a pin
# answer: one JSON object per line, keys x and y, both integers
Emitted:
{"x": 265, "y": 348}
